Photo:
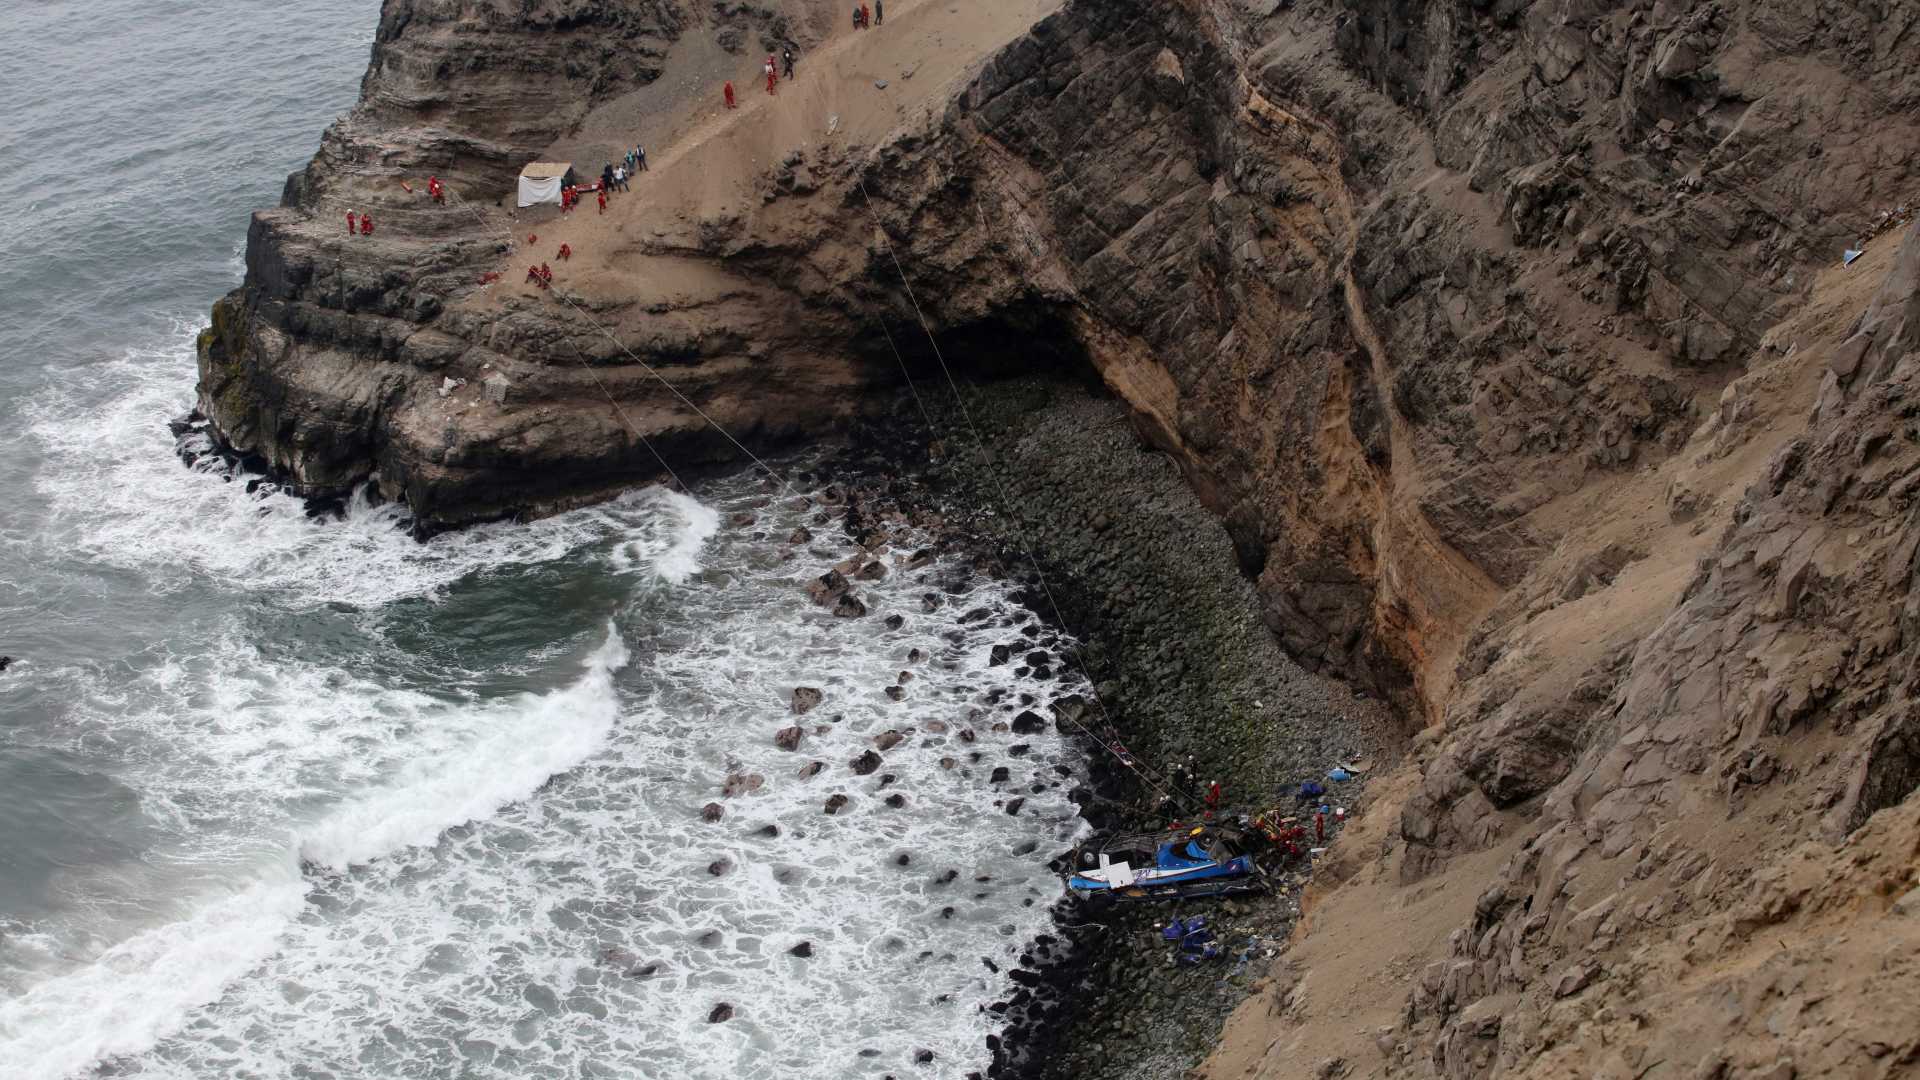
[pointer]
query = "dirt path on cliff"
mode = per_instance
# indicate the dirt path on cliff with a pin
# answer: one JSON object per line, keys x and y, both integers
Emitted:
{"x": 711, "y": 167}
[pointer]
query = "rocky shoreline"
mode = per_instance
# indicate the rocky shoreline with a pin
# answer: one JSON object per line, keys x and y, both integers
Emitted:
{"x": 1133, "y": 567}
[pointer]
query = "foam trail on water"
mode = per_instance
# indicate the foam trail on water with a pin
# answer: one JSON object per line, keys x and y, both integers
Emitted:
{"x": 144, "y": 987}
{"x": 540, "y": 737}
{"x": 114, "y": 482}
{"x": 681, "y": 560}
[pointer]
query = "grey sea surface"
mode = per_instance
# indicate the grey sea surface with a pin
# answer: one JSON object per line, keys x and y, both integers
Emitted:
{"x": 284, "y": 796}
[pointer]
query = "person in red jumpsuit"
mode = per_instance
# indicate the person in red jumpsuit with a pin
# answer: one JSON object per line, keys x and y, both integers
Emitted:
{"x": 728, "y": 90}
{"x": 770, "y": 75}
{"x": 603, "y": 200}
{"x": 351, "y": 225}
{"x": 565, "y": 253}
{"x": 434, "y": 189}
{"x": 366, "y": 224}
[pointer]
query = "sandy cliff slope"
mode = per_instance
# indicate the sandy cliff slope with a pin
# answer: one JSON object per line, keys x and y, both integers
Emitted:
{"x": 1507, "y": 338}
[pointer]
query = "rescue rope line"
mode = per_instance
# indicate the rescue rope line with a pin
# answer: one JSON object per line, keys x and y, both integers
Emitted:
{"x": 1168, "y": 792}
{"x": 1158, "y": 782}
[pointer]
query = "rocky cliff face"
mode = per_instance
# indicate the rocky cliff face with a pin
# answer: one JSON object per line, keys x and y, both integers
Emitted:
{"x": 1501, "y": 335}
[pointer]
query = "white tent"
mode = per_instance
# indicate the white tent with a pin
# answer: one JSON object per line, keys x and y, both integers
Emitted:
{"x": 541, "y": 181}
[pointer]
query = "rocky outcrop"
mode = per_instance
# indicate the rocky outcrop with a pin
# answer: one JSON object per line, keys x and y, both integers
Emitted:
{"x": 1715, "y": 804}
{"x": 1470, "y": 318}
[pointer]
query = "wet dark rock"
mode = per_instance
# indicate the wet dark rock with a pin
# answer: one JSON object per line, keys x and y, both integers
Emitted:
{"x": 998, "y": 655}
{"x": 849, "y": 607}
{"x": 977, "y": 615}
{"x": 811, "y": 768}
{"x": 896, "y": 692}
{"x": 947, "y": 878}
{"x": 887, "y": 778}
{"x": 895, "y": 622}
{"x": 896, "y": 800}
{"x": 741, "y": 520}
{"x": 874, "y": 570}
{"x": 1018, "y": 750}
{"x": 1001, "y": 774}
{"x": 936, "y": 727}
{"x": 902, "y": 859}
{"x": 741, "y": 784}
{"x": 805, "y": 698}
{"x": 836, "y": 802}
{"x": 802, "y": 950}
{"x": 800, "y": 535}
{"x": 888, "y": 739}
{"x": 1014, "y": 804}
{"x": 788, "y": 738}
{"x": 769, "y": 830}
{"x": 828, "y": 587}
{"x": 1028, "y": 722}
{"x": 949, "y": 763}
{"x": 903, "y": 678}
{"x": 914, "y": 656}
{"x": 719, "y": 867}
{"x": 930, "y": 602}
{"x": 1026, "y": 847}
{"x": 713, "y": 811}
{"x": 923, "y": 1057}
{"x": 721, "y": 1013}
{"x": 919, "y": 559}
{"x": 1039, "y": 658}
{"x": 967, "y": 735}
{"x": 868, "y": 762}
{"x": 5, "y": 662}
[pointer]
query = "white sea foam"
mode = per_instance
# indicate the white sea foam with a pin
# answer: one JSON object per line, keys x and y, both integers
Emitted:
{"x": 519, "y": 944}
{"x": 117, "y": 488}
{"x": 533, "y": 738}
{"x": 144, "y": 987}
{"x": 501, "y": 868}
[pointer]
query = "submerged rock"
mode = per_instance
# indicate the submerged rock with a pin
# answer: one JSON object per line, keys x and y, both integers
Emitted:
{"x": 713, "y": 811}
{"x": 721, "y": 1013}
{"x": 741, "y": 783}
{"x": 866, "y": 763}
{"x": 836, "y": 802}
{"x": 805, "y": 698}
{"x": 788, "y": 738}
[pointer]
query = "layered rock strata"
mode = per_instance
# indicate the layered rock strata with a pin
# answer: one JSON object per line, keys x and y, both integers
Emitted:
{"x": 1477, "y": 321}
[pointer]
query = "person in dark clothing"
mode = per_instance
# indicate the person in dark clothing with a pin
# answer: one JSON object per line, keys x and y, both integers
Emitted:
{"x": 606, "y": 177}
{"x": 786, "y": 55}
{"x": 879, "y": 12}
{"x": 640, "y": 156}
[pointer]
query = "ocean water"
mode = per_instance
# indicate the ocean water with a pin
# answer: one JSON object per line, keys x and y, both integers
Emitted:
{"x": 286, "y": 797}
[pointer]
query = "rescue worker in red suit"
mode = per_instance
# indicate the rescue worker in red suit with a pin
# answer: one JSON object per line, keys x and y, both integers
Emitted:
{"x": 434, "y": 189}
{"x": 351, "y": 223}
{"x": 603, "y": 202}
{"x": 565, "y": 253}
{"x": 728, "y": 90}
{"x": 366, "y": 224}
{"x": 770, "y": 75}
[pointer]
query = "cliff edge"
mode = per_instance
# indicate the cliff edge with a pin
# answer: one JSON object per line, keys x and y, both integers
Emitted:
{"x": 1509, "y": 339}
